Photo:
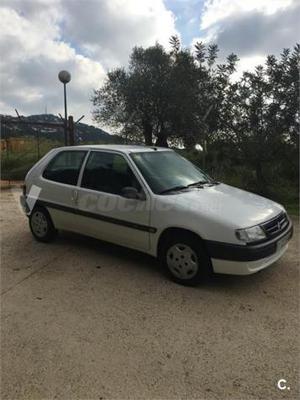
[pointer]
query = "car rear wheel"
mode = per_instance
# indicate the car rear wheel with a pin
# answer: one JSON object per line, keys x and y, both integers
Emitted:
{"x": 41, "y": 225}
{"x": 184, "y": 259}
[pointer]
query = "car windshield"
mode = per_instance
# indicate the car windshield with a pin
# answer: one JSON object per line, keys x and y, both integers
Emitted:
{"x": 165, "y": 170}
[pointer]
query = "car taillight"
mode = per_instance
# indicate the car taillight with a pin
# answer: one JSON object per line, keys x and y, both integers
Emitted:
{"x": 24, "y": 190}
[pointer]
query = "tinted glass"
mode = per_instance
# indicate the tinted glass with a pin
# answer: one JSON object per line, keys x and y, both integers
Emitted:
{"x": 108, "y": 172}
{"x": 164, "y": 170}
{"x": 65, "y": 167}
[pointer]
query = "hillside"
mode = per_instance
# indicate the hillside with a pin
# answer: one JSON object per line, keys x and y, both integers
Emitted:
{"x": 20, "y": 127}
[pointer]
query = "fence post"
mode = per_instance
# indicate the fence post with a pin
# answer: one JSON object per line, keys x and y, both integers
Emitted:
{"x": 71, "y": 131}
{"x": 38, "y": 143}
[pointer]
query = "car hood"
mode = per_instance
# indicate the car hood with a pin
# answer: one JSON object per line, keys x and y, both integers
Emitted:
{"x": 223, "y": 203}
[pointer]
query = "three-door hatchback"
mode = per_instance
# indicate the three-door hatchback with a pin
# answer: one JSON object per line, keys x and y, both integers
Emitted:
{"x": 153, "y": 200}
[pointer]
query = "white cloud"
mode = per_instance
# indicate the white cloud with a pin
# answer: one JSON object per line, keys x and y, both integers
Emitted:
{"x": 108, "y": 30}
{"x": 252, "y": 29}
{"x": 217, "y": 10}
{"x": 38, "y": 38}
{"x": 247, "y": 64}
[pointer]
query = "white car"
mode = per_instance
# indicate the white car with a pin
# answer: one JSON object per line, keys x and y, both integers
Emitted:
{"x": 153, "y": 200}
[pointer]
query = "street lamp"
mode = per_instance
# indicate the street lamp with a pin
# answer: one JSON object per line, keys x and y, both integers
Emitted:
{"x": 65, "y": 77}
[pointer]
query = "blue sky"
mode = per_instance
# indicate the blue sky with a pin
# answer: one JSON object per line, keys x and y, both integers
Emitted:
{"x": 38, "y": 38}
{"x": 188, "y": 14}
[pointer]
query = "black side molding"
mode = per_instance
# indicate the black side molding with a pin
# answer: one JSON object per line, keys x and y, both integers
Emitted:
{"x": 100, "y": 217}
{"x": 235, "y": 252}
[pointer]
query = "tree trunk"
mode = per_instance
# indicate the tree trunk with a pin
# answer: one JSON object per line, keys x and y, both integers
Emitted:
{"x": 261, "y": 182}
{"x": 148, "y": 134}
{"x": 162, "y": 136}
{"x": 161, "y": 141}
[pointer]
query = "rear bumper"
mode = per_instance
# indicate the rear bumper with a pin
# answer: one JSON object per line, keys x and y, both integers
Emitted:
{"x": 24, "y": 204}
{"x": 247, "y": 259}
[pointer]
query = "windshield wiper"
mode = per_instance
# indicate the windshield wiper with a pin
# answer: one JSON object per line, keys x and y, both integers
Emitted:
{"x": 198, "y": 183}
{"x": 173, "y": 189}
{"x": 195, "y": 184}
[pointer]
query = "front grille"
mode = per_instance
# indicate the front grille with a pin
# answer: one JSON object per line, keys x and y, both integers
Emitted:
{"x": 276, "y": 225}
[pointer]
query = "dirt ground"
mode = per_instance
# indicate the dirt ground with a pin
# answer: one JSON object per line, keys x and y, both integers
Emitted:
{"x": 81, "y": 319}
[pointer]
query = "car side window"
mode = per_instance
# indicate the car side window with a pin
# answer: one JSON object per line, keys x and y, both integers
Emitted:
{"x": 108, "y": 172}
{"x": 65, "y": 167}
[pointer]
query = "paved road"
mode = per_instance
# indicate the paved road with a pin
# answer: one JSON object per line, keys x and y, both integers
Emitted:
{"x": 87, "y": 320}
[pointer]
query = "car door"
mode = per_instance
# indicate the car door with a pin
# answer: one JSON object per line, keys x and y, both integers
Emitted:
{"x": 58, "y": 185}
{"x": 104, "y": 209}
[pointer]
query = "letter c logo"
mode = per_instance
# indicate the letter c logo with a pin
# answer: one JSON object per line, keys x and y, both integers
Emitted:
{"x": 281, "y": 384}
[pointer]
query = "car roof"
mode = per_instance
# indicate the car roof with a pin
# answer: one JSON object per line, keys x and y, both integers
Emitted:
{"x": 117, "y": 147}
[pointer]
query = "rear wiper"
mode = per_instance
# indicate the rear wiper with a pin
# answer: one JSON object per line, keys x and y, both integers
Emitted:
{"x": 173, "y": 189}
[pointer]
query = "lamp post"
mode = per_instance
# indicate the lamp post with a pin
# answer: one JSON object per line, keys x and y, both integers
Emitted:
{"x": 65, "y": 77}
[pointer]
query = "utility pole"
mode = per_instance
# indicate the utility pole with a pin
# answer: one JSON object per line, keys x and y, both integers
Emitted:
{"x": 65, "y": 77}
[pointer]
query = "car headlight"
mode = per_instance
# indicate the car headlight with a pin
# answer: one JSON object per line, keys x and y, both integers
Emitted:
{"x": 252, "y": 234}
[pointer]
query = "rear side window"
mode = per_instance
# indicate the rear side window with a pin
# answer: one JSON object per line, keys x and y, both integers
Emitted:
{"x": 65, "y": 167}
{"x": 108, "y": 172}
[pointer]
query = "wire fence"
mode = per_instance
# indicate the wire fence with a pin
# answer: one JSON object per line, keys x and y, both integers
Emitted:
{"x": 23, "y": 143}
{"x": 25, "y": 140}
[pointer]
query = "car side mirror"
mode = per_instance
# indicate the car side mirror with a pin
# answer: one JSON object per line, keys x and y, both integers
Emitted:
{"x": 131, "y": 192}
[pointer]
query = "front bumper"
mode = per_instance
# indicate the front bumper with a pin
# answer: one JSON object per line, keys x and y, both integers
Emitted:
{"x": 247, "y": 259}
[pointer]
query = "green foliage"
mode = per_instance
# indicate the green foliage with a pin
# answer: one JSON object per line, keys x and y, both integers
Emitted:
{"x": 175, "y": 44}
{"x": 249, "y": 126}
{"x": 282, "y": 187}
{"x": 164, "y": 96}
{"x": 263, "y": 118}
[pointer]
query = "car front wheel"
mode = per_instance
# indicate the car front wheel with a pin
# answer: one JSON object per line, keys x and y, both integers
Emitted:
{"x": 184, "y": 259}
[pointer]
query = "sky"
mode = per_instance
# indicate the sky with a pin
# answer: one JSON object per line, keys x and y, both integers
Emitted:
{"x": 38, "y": 38}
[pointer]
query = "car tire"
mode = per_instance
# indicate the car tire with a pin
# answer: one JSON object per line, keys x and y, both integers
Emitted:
{"x": 41, "y": 225}
{"x": 184, "y": 259}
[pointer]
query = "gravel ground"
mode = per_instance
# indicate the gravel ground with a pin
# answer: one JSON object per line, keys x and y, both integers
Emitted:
{"x": 86, "y": 320}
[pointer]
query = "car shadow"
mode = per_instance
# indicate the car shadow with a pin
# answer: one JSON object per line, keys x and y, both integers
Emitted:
{"x": 109, "y": 249}
{"x": 134, "y": 258}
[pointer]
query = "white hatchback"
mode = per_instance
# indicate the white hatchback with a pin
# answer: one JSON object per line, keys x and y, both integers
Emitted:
{"x": 153, "y": 200}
